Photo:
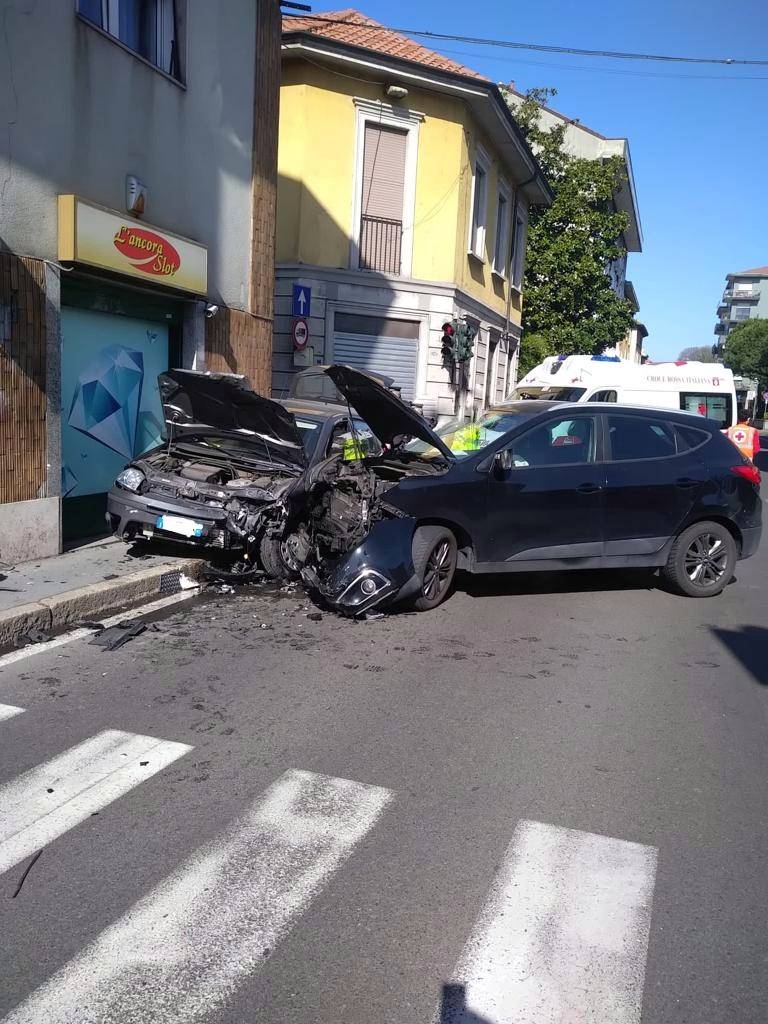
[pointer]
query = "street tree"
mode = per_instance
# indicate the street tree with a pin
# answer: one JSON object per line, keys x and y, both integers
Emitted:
{"x": 569, "y": 298}
{"x": 746, "y": 349}
{"x": 699, "y": 353}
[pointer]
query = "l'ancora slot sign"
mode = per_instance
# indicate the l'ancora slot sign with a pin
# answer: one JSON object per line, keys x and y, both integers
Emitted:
{"x": 99, "y": 237}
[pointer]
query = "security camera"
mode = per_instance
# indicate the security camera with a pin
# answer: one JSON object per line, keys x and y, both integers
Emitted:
{"x": 211, "y": 309}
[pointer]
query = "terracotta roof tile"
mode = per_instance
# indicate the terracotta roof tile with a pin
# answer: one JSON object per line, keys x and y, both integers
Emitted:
{"x": 755, "y": 272}
{"x": 352, "y": 27}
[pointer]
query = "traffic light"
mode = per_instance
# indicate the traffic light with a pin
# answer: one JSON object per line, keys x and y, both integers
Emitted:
{"x": 465, "y": 341}
{"x": 448, "y": 344}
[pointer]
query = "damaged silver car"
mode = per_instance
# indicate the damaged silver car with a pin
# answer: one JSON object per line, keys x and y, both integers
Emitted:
{"x": 230, "y": 458}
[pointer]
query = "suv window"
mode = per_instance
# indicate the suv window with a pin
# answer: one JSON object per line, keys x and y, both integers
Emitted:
{"x": 634, "y": 437}
{"x": 564, "y": 442}
{"x": 689, "y": 438}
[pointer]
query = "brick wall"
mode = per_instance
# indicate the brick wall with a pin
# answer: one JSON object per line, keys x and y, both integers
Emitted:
{"x": 22, "y": 378}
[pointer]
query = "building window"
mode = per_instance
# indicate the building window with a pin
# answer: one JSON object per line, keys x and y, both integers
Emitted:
{"x": 518, "y": 247}
{"x": 503, "y": 223}
{"x": 386, "y": 148}
{"x": 148, "y": 27}
{"x": 381, "y": 216}
{"x": 479, "y": 204}
{"x": 740, "y": 313}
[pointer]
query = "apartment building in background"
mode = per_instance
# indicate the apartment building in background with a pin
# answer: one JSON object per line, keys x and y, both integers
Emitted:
{"x": 404, "y": 186}
{"x": 745, "y": 296}
{"x": 137, "y": 200}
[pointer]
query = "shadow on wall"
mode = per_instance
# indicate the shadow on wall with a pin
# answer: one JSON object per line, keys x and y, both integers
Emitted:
{"x": 750, "y": 645}
{"x": 308, "y": 234}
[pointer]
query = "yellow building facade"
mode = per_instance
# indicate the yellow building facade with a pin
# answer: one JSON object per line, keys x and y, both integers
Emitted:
{"x": 403, "y": 195}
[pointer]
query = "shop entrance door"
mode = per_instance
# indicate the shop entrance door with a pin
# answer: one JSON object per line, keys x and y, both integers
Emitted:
{"x": 110, "y": 407}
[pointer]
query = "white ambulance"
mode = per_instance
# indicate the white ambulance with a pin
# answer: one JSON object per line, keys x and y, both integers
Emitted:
{"x": 703, "y": 388}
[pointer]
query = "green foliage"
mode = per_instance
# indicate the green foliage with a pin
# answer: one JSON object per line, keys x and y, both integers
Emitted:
{"x": 699, "y": 353}
{"x": 568, "y": 297}
{"x": 746, "y": 349}
{"x": 534, "y": 349}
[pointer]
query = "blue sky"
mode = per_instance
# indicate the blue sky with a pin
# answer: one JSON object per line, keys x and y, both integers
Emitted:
{"x": 698, "y": 135}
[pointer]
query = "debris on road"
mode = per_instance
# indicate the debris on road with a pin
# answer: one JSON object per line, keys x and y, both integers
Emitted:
{"x": 32, "y": 636}
{"x": 27, "y": 869}
{"x": 116, "y": 636}
{"x": 185, "y": 583}
{"x": 315, "y": 616}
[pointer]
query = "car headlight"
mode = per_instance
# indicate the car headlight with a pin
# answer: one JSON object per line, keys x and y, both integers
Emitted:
{"x": 131, "y": 479}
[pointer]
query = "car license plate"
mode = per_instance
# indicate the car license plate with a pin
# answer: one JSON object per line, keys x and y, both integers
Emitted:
{"x": 179, "y": 524}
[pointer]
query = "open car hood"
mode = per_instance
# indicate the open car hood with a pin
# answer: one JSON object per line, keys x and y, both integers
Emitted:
{"x": 384, "y": 413}
{"x": 226, "y": 404}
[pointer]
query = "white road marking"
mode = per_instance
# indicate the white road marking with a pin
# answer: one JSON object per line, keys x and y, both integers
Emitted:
{"x": 563, "y": 936}
{"x": 87, "y": 632}
{"x": 49, "y": 800}
{"x": 183, "y": 949}
{"x": 9, "y": 711}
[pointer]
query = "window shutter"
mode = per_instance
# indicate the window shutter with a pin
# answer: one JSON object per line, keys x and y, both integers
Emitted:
{"x": 383, "y": 172}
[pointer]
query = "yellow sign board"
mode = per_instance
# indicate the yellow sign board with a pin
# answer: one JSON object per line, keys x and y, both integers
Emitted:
{"x": 104, "y": 238}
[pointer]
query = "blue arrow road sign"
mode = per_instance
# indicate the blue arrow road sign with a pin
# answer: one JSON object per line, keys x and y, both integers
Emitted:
{"x": 302, "y": 300}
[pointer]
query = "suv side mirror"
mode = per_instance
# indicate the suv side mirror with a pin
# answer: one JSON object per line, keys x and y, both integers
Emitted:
{"x": 502, "y": 462}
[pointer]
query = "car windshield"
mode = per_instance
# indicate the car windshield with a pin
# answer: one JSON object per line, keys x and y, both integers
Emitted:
{"x": 309, "y": 432}
{"x": 464, "y": 439}
{"x": 549, "y": 394}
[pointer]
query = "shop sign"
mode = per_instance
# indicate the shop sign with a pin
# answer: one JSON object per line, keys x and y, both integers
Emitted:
{"x": 99, "y": 237}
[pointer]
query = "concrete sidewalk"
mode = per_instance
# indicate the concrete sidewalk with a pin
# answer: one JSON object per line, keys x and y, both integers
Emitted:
{"x": 84, "y": 584}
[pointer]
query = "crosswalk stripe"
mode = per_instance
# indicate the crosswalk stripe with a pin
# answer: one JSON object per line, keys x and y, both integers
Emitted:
{"x": 563, "y": 936}
{"x": 182, "y": 950}
{"x": 47, "y": 801}
{"x": 9, "y": 711}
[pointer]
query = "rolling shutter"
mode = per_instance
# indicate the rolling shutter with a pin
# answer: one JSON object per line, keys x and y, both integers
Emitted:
{"x": 383, "y": 172}
{"x": 394, "y": 357}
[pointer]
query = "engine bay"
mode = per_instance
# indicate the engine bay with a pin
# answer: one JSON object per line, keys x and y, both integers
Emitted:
{"x": 214, "y": 481}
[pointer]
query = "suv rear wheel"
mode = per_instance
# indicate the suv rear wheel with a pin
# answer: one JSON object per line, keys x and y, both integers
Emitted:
{"x": 702, "y": 560}
{"x": 434, "y": 559}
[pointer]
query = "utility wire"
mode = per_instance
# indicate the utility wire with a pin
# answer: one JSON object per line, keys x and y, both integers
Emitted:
{"x": 540, "y": 47}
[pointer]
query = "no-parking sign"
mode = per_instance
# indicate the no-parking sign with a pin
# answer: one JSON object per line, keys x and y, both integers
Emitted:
{"x": 299, "y": 332}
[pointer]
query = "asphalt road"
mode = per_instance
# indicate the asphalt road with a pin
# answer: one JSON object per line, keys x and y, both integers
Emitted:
{"x": 557, "y": 805}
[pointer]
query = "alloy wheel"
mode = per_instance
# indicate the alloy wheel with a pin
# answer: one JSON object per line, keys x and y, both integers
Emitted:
{"x": 437, "y": 571}
{"x": 706, "y": 560}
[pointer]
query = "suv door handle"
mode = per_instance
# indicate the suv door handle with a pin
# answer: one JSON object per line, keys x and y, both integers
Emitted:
{"x": 588, "y": 488}
{"x": 687, "y": 481}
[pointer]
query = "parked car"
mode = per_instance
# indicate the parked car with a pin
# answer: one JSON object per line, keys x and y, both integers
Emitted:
{"x": 533, "y": 485}
{"x": 230, "y": 458}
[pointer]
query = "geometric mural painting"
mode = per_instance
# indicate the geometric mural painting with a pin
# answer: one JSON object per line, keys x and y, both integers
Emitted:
{"x": 68, "y": 480}
{"x": 107, "y": 396}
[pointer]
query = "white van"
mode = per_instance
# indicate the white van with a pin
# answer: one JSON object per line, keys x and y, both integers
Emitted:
{"x": 703, "y": 388}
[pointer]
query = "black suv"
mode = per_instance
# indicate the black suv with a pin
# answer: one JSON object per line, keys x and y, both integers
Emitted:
{"x": 537, "y": 486}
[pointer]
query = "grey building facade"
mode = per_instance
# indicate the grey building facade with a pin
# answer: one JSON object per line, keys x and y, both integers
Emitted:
{"x": 137, "y": 177}
{"x": 745, "y": 297}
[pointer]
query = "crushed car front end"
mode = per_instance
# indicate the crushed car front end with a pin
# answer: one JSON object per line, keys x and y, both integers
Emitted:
{"x": 377, "y": 572}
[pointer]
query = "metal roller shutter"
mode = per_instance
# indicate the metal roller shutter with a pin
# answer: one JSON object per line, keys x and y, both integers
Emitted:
{"x": 395, "y": 357}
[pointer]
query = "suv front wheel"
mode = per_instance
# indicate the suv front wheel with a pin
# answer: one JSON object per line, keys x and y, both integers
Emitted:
{"x": 702, "y": 560}
{"x": 434, "y": 560}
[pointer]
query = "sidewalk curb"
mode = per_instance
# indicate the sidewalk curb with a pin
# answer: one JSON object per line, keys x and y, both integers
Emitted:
{"x": 97, "y": 600}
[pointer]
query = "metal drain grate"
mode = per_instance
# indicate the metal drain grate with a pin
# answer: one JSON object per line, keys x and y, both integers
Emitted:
{"x": 170, "y": 582}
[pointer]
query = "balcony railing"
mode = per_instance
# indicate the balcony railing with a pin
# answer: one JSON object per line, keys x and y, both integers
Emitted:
{"x": 721, "y": 328}
{"x": 381, "y": 242}
{"x": 736, "y": 294}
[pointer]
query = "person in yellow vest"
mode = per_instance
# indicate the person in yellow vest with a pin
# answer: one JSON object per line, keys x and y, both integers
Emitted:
{"x": 467, "y": 438}
{"x": 745, "y": 437}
